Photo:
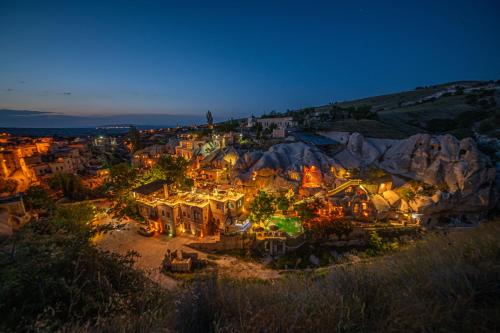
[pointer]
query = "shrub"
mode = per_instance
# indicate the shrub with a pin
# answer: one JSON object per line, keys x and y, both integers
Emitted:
{"x": 52, "y": 275}
{"x": 37, "y": 198}
{"x": 446, "y": 283}
{"x": 441, "y": 125}
{"x": 7, "y": 185}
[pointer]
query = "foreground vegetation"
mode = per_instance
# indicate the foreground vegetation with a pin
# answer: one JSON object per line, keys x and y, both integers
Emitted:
{"x": 53, "y": 278}
{"x": 446, "y": 283}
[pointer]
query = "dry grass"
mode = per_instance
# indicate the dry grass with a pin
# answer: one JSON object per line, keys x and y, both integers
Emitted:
{"x": 446, "y": 283}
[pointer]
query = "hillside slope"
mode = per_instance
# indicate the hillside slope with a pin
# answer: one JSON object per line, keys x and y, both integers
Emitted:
{"x": 455, "y": 108}
{"x": 445, "y": 283}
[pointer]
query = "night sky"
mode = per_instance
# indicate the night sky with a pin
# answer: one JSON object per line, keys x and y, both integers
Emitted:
{"x": 96, "y": 59}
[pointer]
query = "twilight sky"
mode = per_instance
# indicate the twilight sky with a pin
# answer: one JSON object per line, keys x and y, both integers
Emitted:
{"x": 99, "y": 62}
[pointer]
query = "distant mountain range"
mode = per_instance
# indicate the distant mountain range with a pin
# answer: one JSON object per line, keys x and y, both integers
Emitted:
{"x": 43, "y": 119}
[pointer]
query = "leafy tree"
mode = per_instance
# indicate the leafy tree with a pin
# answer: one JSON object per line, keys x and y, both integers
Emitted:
{"x": 7, "y": 185}
{"x": 135, "y": 138}
{"x": 325, "y": 227}
{"x": 283, "y": 203}
{"x": 170, "y": 169}
{"x": 376, "y": 244}
{"x": 186, "y": 183}
{"x": 459, "y": 91}
{"x": 228, "y": 126}
{"x": 121, "y": 177}
{"x": 372, "y": 175}
{"x": 341, "y": 227}
{"x": 52, "y": 274}
{"x": 258, "y": 130}
{"x": 308, "y": 211}
{"x": 262, "y": 208}
{"x": 76, "y": 219}
{"x": 37, "y": 197}
{"x": 210, "y": 119}
{"x": 70, "y": 185}
{"x": 125, "y": 205}
{"x": 363, "y": 112}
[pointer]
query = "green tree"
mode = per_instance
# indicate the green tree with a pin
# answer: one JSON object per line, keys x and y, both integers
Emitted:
{"x": 70, "y": 185}
{"x": 407, "y": 193}
{"x": 52, "y": 274}
{"x": 125, "y": 205}
{"x": 77, "y": 219}
{"x": 170, "y": 169}
{"x": 262, "y": 208}
{"x": 308, "y": 210}
{"x": 341, "y": 227}
{"x": 377, "y": 245}
{"x": 363, "y": 112}
{"x": 7, "y": 185}
{"x": 258, "y": 130}
{"x": 135, "y": 138}
{"x": 121, "y": 177}
{"x": 228, "y": 126}
{"x": 210, "y": 119}
{"x": 283, "y": 203}
{"x": 37, "y": 197}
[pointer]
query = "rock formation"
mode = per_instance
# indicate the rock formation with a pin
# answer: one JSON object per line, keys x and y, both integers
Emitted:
{"x": 464, "y": 177}
{"x": 287, "y": 157}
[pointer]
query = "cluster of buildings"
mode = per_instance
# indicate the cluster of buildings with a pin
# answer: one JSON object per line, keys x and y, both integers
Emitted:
{"x": 278, "y": 125}
{"x": 31, "y": 161}
{"x": 227, "y": 175}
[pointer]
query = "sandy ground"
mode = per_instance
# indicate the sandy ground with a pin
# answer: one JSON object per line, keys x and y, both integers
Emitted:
{"x": 153, "y": 249}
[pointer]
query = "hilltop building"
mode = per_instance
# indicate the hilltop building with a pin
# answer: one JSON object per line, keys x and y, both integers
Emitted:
{"x": 278, "y": 123}
{"x": 187, "y": 147}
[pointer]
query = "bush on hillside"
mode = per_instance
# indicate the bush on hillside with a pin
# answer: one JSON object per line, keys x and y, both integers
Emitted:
{"x": 52, "y": 275}
{"x": 446, "y": 283}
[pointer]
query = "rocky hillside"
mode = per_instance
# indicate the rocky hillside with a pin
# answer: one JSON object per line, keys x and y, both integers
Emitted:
{"x": 286, "y": 157}
{"x": 462, "y": 178}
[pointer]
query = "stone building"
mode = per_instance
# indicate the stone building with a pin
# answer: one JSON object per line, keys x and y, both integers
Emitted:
{"x": 200, "y": 213}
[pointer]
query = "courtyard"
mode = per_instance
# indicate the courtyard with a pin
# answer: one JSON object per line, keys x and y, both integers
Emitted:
{"x": 151, "y": 251}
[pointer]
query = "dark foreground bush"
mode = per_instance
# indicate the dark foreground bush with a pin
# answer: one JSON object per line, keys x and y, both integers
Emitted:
{"x": 448, "y": 283}
{"x": 52, "y": 278}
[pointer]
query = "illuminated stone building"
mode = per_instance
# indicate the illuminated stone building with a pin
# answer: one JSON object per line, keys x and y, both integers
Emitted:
{"x": 27, "y": 161}
{"x": 186, "y": 148}
{"x": 199, "y": 213}
{"x": 147, "y": 157}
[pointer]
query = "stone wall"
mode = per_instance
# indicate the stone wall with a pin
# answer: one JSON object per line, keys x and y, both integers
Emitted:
{"x": 226, "y": 243}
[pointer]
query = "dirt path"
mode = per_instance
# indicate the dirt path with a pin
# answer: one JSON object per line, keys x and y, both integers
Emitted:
{"x": 152, "y": 250}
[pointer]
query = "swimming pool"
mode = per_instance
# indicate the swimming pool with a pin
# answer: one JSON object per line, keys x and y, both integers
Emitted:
{"x": 290, "y": 225}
